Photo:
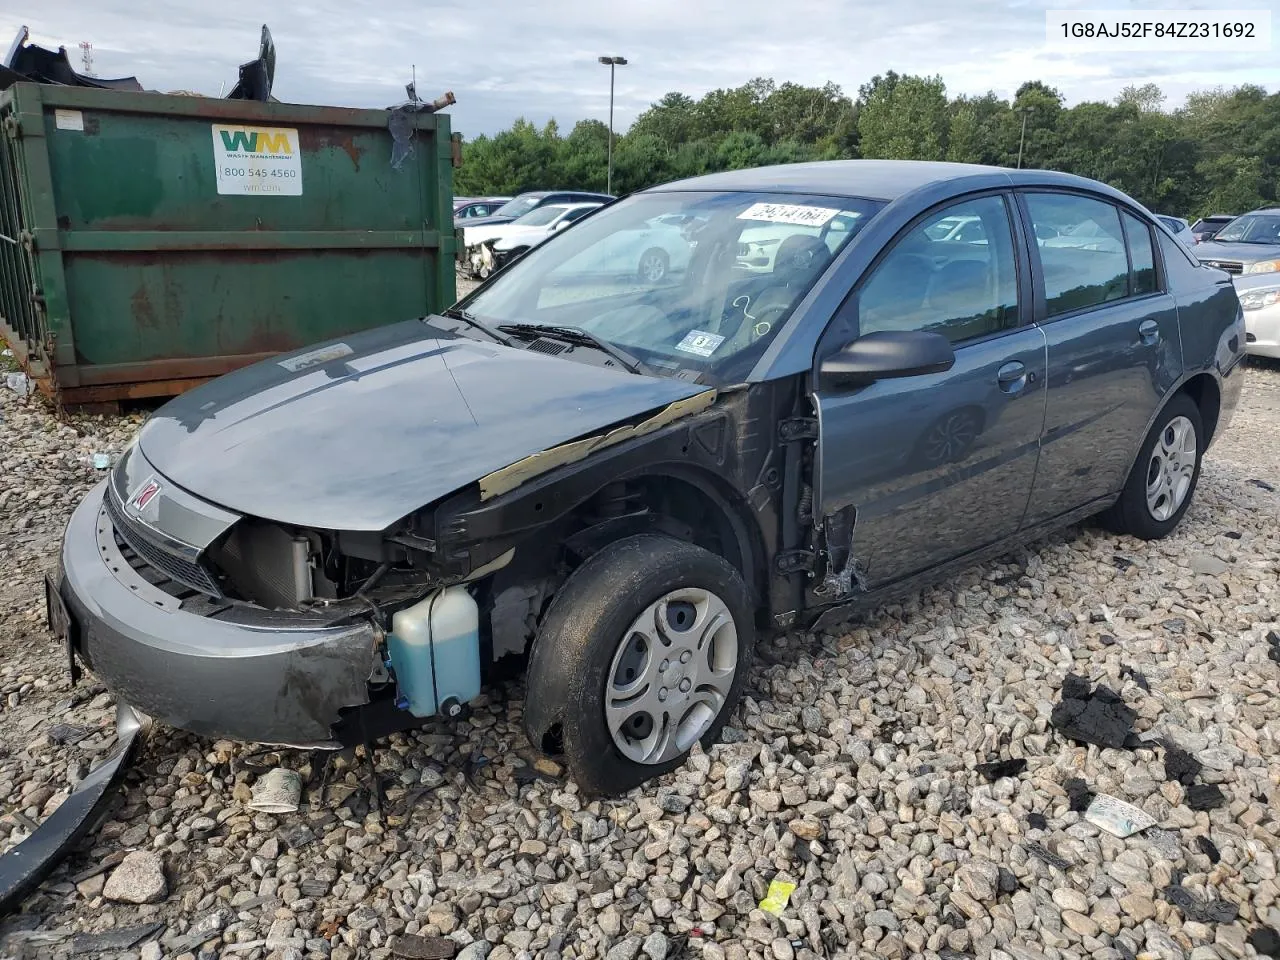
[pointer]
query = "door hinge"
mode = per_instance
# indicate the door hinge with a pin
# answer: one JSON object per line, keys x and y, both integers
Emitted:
{"x": 797, "y": 428}
{"x": 794, "y": 561}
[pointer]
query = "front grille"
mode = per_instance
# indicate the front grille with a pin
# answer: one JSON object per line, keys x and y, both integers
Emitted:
{"x": 170, "y": 565}
{"x": 1231, "y": 266}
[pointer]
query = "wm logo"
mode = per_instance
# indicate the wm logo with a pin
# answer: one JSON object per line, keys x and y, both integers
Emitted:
{"x": 255, "y": 141}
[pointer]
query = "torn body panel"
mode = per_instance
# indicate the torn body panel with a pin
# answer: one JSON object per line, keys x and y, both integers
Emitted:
{"x": 845, "y": 573}
{"x": 510, "y": 477}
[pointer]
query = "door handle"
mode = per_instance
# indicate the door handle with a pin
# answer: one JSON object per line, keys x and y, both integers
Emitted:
{"x": 1012, "y": 377}
{"x": 1149, "y": 331}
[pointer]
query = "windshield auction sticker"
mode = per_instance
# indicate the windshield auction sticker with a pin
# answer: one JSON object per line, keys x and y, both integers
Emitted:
{"x": 794, "y": 213}
{"x": 700, "y": 342}
{"x": 257, "y": 160}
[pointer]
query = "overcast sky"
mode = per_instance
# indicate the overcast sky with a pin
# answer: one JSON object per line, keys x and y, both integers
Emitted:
{"x": 537, "y": 58}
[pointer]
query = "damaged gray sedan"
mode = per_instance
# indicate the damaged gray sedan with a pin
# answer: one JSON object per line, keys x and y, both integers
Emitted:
{"x": 620, "y": 483}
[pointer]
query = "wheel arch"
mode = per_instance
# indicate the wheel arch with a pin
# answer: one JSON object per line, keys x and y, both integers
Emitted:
{"x": 1205, "y": 391}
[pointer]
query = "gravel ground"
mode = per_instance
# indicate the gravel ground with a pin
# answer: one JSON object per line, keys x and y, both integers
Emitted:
{"x": 849, "y": 770}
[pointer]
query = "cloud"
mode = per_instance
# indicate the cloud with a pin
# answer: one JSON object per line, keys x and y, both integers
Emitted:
{"x": 537, "y": 58}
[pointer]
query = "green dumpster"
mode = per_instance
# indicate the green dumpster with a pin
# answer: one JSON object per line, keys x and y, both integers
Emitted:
{"x": 149, "y": 242}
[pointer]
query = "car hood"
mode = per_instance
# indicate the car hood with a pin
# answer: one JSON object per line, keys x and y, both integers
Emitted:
{"x": 1245, "y": 252}
{"x": 473, "y": 235}
{"x": 482, "y": 222}
{"x": 356, "y": 434}
{"x": 513, "y": 235}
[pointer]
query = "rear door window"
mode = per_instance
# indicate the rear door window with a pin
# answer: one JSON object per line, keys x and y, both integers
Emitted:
{"x": 1142, "y": 255}
{"x": 1084, "y": 260}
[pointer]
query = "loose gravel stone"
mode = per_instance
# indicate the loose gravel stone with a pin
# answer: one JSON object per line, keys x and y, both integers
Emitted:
{"x": 851, "y": 770}
{"x": 138, "y": 879}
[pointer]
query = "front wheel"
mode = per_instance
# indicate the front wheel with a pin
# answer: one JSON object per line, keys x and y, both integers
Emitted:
{"x": 654, "y": 264}
{"x": 1163, "y": 479}
{"x": 642, "y": 653}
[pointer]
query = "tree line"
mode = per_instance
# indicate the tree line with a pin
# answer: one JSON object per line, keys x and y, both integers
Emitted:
{"x": 1218, "y": 153}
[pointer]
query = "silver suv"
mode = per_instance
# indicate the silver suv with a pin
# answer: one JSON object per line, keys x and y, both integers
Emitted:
{"x": 1249, "y": 244}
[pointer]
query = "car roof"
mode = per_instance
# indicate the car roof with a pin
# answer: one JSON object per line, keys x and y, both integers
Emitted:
{"x": 871, "y": 179}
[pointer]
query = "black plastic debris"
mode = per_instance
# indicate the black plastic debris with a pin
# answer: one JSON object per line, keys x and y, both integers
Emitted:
{"x": 1266, "y": 941}
{"x": 1001, "y": 768}
{"x": 1179, "y": 765}
{"x": 1205, "y": 796}
{"x": 1097, "y": 716}
{"x": 112, "y": 939}
{"x": 471, "y": 769}
{"x": 1136, "y": 676}
{"x": 1233, "y": 534}
{"x": 1121, "y": 563}
{"x": 27, "y": 61}
{"x": 1078, "y": 794}
{"x": 257, "y": 76}
{"x": 1047, "y": 856}
{"x": 1198, "y": 910}
{"x": 66, "y": 733}
{"x": 1208, "y": 848}
{"x": 1264, "y": 485}
{"x": 1036, "y": 821}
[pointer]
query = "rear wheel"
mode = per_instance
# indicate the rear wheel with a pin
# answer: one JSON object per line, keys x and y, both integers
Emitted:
{"x": 1163, "y": 479}
{"x": 642, "y": 654}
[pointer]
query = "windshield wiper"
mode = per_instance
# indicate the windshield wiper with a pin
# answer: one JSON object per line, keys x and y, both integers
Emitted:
{"x": 456, "y": 313}
{"x": 580, "y": 336}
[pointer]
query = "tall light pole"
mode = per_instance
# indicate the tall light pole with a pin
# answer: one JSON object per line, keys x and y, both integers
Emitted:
{"x": 612, "y": 63}
{"x": 1026, "y": 112}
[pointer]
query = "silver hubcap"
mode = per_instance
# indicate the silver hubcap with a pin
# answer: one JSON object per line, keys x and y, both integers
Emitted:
{"x": 671, "y": 675}
{"x": 1173, "y": 464}
{"x": 652, "y": 268}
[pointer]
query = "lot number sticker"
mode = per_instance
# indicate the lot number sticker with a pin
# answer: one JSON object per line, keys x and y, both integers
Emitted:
{"x": 700, "y": 342}
{"x": 795, "y": 213}
{"x": 257, "y": 160}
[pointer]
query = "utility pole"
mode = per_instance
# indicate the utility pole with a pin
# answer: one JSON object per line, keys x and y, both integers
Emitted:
{"x": 612, "y": 63}
{"x": 86, "y": 57}
{"x": 1026, "y": 112}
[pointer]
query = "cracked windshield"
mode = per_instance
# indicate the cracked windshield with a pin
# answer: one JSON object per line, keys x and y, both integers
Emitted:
{"x": 695, "y": 282}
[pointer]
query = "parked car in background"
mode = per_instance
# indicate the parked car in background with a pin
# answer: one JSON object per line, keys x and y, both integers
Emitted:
{"x": 476, "y": 259}
{"x": 1206, "y": 228}
{"x": 520, "y": 236}
{"x": 472, "y": 208}
{"x": 626, "y": 483}
{"x": 523, "y": 203}
{"x": 1248, "y": 244}
{"x": 1260, "y": 299}
{"x": 1180, "y": 229}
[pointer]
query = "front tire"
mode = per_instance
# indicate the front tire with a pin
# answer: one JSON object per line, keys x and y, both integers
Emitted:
{"x": 654, "y": 264}
{"x": 1164, "y": 477}
{"x": 642, "y": 653}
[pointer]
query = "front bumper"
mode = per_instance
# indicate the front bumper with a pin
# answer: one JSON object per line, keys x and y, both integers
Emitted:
{"x": 1262, "y": 332}
{"x": 237, "y": 673}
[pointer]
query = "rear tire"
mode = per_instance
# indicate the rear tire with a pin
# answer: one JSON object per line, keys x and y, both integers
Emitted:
{"x": 643, "y": 651}
{"x": 1164, "y": 477}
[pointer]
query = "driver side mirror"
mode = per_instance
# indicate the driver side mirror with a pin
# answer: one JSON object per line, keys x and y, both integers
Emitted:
{"x": 888, "y": 354}
{"x": 561, "y": 225}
